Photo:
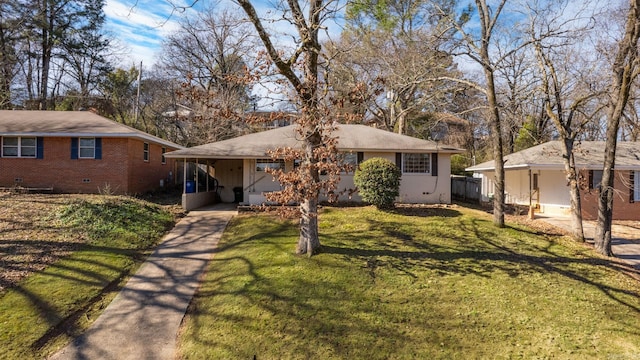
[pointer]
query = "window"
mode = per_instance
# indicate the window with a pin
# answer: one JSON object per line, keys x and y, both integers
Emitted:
{"x": 263, "y": 164}
{"x": 416, "y": 163}
{"x": 19, "y": 147}
{"x": 352, "y": 160}
{"x": 636, "y": 186}
{"x": 87, "y": 148}
{"x": 164, "y": 160}
{"x": 146, "y": 152}
{"x": 595, "y": 179}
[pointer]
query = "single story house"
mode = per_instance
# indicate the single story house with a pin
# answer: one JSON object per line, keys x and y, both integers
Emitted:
{"x": 536, "y": 177}
{"x": 80, "y": 152}
{"x": 239, "y": 164}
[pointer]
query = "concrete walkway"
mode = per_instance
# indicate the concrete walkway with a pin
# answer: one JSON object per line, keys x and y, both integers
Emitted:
{"x": 143, "y": 320}
{"x": 625, "y": 240}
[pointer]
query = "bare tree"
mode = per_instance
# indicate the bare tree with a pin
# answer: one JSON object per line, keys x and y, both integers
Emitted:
{"x": 625, "y": 70}
{"x": 567, "y": 76}
{"x": 391, "y": 56}
{"x": 477, "y": 45}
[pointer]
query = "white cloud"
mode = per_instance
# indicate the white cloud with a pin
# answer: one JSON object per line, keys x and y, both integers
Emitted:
{"x": 141, "y": 25}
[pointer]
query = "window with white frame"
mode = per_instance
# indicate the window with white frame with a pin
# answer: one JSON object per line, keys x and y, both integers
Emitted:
{"x": 87, "y": 148}
{"x": 146, "y": 152}
{"x": 19, "y": 146}
{"x": 416, "y": 163}
{"x": 263, "y": 164}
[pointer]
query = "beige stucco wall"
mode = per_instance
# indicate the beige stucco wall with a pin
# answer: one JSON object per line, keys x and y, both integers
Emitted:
{"x": 414, "y": 188}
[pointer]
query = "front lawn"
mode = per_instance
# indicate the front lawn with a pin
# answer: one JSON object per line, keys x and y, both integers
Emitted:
{"x": 413, "y": 284}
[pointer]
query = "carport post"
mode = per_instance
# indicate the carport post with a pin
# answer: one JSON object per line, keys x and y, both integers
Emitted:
{"x": 531, "y": 214}
{"x": 184, "y": 175}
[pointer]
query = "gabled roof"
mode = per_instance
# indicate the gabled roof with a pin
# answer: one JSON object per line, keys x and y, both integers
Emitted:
{"x": 587, "y": 154}
{"x": 350, "y": 138}
{"x": 69, "y": 124}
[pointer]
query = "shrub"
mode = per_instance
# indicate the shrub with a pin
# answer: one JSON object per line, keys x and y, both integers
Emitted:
{"x": 378, "y": 182}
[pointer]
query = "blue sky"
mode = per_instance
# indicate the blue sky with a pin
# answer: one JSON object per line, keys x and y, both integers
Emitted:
{"x": 141, "y": 25}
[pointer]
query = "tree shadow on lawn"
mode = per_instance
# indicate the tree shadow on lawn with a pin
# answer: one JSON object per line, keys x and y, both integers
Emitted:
{"x": 318, "y": 309}
{"x": 470, "y": 259}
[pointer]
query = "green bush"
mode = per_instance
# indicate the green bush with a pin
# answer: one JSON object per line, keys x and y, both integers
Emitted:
{"x": 378, "y": 182}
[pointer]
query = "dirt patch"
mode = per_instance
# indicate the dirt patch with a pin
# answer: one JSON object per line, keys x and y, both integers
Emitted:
{"x": 30, "y": 237}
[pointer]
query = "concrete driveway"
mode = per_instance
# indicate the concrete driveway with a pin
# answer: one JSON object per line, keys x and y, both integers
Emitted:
{"x": 625, "y": 240}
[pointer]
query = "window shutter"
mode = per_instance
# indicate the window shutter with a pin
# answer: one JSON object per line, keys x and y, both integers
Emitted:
{"x": 98, "y": 148}
{"x": 74, "y": 148}
{"x": 39, "y": 148}
{"x": 434, "y": 164}
{"x": 399, "y": 160}
{"x": 360, "y": 156}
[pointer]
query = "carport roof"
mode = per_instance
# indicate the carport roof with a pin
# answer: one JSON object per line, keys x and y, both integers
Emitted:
{"x": 588, "y": 155}
{"x": 350, "y": 138}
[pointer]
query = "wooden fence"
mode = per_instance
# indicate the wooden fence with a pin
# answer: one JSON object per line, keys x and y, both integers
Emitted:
{"x": 465, "y": 188}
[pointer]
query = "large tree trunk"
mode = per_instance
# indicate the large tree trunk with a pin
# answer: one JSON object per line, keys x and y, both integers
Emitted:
{"x": 624, "y": 69}
{"x": 577, "y": 231}
{"x": 309, "y": 242}
{"x": 498, "y": 154}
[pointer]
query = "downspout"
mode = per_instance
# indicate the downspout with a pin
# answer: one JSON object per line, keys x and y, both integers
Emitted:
{"x": 197, "y": 173}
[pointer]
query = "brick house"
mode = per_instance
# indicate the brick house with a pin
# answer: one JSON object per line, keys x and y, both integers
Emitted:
{"x": 81, "y": 152}
{"x": 536, "y": 176}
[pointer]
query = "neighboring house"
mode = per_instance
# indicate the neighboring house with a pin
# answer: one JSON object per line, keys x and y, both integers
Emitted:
{"x": 536, "y": 177}
{"x": 240, "y": 163}
{"x": 80, "y": 152}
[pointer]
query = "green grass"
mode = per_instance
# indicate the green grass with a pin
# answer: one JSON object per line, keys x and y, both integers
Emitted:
{"x": 441, "y": 283}
{"x": 117, "y": 233}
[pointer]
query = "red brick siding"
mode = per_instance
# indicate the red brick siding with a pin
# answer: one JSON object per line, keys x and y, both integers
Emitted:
{"x": 64, "y": 174}
{"x": 146, "y": 175}
{"x": 623, "y": 209}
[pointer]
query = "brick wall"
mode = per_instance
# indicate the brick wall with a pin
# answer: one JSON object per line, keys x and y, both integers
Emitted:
{"x": 623, "y": 207}
{"x": 121, "y": 168}
{"x": 146, "y": 175}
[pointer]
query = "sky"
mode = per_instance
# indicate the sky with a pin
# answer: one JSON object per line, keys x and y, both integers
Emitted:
{"x": 140, "y": 25}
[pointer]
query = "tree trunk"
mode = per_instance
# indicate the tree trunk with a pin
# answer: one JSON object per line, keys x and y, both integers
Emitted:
{"x": 624, "y": 69}
{"x": 577, "y": 231}
{"x": 309, "y": 242}
{"x": 498, "y": 154}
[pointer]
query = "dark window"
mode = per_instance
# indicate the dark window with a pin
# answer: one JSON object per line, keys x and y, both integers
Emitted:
{"x": 164, "y": 160}
{"x": 146, "y": 152}
{"x": 596, "y": 179}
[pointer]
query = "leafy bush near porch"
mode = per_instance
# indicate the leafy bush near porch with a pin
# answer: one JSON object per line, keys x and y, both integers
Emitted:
{"x": 378, "y": 182}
